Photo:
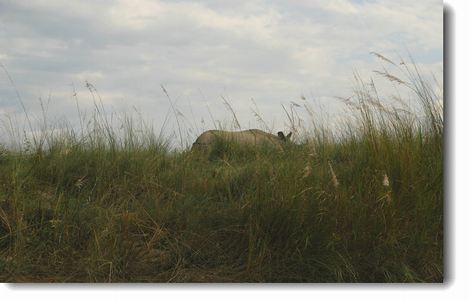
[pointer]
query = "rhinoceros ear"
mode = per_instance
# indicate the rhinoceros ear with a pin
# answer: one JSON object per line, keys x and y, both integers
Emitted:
{"x": 289, "y": 135}
{"x": 280, "y": 134}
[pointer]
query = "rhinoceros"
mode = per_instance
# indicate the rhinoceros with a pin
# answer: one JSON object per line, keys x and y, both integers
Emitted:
{"x": 250, "y": 137}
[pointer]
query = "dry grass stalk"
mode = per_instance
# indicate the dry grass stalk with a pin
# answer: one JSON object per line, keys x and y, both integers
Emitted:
{"x": 232, "y": 111}
{"x": 390, "y": 77}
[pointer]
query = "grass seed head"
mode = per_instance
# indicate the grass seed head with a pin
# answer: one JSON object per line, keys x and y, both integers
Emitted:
{"x": 334, "y": 179}
{"x": 386, "y": 182}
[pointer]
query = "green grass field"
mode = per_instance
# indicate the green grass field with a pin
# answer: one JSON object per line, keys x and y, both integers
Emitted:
{"x": 361, "y": 205}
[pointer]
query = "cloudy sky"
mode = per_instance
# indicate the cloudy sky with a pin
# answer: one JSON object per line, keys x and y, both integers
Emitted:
{"x": 267, "y": 52}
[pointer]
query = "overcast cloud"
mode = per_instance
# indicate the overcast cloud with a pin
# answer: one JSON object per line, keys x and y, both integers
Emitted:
{"x": 269, "y": 51}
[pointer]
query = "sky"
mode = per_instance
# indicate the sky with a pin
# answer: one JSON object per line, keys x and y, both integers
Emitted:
{"x": 257, "y": 55}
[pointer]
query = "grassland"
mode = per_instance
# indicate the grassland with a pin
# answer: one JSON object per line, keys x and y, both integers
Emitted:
{"x": 364, "y": 204}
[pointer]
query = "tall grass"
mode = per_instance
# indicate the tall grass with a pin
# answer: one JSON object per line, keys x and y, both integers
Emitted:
{"x": 106, "y": 204}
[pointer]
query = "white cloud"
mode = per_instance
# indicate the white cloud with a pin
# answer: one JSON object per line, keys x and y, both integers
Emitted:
{"x": 137, "y": 14}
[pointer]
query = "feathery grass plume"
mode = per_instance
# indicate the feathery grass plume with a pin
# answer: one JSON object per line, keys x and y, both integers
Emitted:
{"x": 256, "y": 112}
{"x": 295, "y": 104}
{"x": 347, "y": 101}
{"x": 390, "y": 77}
{"x": 382, "y": 57}
{"x": 334, "y": 179}
{"x": 307, "y": 171}
{"x": 385, "y": 181}
{"x": 386, "y": 184}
